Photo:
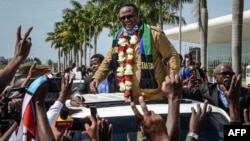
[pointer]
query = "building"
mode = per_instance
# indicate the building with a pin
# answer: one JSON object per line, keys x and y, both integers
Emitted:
{"x": 3, "y": 60}
{"x": 219, "y": 39}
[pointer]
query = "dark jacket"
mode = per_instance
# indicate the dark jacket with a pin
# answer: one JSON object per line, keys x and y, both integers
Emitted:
{"x": 209, "y": 91}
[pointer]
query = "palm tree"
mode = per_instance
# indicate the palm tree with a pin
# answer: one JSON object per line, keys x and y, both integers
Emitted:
{"x": 203, "y": 25}
{"x": 56, "y": 40}
{"x": 202, "y": 16}
{"x": 98, "y": 22}
{"x": 75, "y": 36}
{"x": 237, "y": 20}
{"x": 166, "y": 16}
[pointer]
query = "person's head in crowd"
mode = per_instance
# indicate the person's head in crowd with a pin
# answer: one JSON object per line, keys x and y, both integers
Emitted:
{"x": 67, "y": 70}
{"x": 197, "y": 64}
{"x": 83, "y": 69}
{"x": 223, "y": 74}
{"x": 95, "y": 62}
{"x": 72, "y": 66}
{"x": 192, "y": 69}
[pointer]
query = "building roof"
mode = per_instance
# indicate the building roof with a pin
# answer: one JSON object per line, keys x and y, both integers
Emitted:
{"x": 219, "y": 30}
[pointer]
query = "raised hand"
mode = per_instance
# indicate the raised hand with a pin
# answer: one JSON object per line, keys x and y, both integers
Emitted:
{"x": 22, "y": 50}
{"x": 197, "y": 120}
{"x": 233, "y": 93}
{"x": 172, "y": 87}
{"x": 105, "y": 130}
{"x": 23, "y": 45}
{"x": 92, "y": 130}
{"x": 35, "y": 72}
{"x": 58, "y": 132}
{"x": 66, "y": 88}
{"x": 152, "y": 125}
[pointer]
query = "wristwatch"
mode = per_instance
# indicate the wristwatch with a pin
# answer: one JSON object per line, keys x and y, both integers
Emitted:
{"x": 193, "y": 135}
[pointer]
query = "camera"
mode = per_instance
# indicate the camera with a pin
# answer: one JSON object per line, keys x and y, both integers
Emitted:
{"x": 54, "y": 83}
{"x": 6, "y": 106}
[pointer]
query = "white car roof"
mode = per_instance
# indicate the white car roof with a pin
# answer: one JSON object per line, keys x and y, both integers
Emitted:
{"x": 78, "y": 81}
{"x": 117, "y": 110}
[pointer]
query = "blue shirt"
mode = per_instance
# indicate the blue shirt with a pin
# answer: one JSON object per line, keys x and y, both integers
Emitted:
{"x": 103, "y": 86}
{"x": 222, "y": 97}
{"x": 184, "y": 73}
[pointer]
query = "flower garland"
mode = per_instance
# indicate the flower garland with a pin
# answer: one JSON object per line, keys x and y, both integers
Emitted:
{"x": 124, "y": 71}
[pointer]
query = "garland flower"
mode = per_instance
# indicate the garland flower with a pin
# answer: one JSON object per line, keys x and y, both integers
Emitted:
{"x": 125, "y": 60}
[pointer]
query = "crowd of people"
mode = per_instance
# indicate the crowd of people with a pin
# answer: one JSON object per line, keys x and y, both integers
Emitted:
{"x": 143, "y": 64}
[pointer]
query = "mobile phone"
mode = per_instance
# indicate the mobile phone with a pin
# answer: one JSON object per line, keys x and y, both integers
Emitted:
{"x": 78, "y": 123}
{"x": 93, "y": 111}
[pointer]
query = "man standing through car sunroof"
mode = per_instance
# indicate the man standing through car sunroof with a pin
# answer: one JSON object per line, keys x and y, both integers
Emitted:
{"x": 138, "y": 57}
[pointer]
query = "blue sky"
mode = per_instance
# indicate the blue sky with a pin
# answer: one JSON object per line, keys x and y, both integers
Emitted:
{"x": 42, "y": 14}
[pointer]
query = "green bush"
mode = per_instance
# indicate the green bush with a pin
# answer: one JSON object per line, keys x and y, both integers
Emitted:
{"x": 210, "y": 72}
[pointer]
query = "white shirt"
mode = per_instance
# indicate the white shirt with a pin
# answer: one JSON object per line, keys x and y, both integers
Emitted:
{"x": 53, "y": 111}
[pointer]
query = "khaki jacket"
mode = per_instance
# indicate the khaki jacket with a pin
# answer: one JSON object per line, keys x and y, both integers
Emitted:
{"x": 163, "y": 53}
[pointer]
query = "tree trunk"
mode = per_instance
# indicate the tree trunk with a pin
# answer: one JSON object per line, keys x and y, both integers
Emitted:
{"x": 85, "y": 53}
{"x": 81, "y": 53}
{"x": 59, "y": 60}
{"x": 95, "y": 44}
{"x": 237, "y": 19}
{"x": 160, "y": 20}
{"x": 203, "y": 36}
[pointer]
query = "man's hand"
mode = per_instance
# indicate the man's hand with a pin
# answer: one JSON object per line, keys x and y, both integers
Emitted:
{"x": 197, "y": 120}
{"x": 66, "y": 88}
{"x": 172, "y": 87}
{"x": 76, "y": 102}
{"x": 58, "y": 132}
{"x": 92, "y": 130}
{"x": 152, "y": 124}
{"x": 35, "y": 72}
{"x": 105, "y": 129}
{"x": 93, "y": 86}
{"x": 23, "y": 45}
{"x": 233, "y": 93}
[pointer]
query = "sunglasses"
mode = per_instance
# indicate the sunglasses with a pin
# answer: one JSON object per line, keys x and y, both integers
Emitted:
{"x": 126, "y": 17}
{"x": 226, "y": 73}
